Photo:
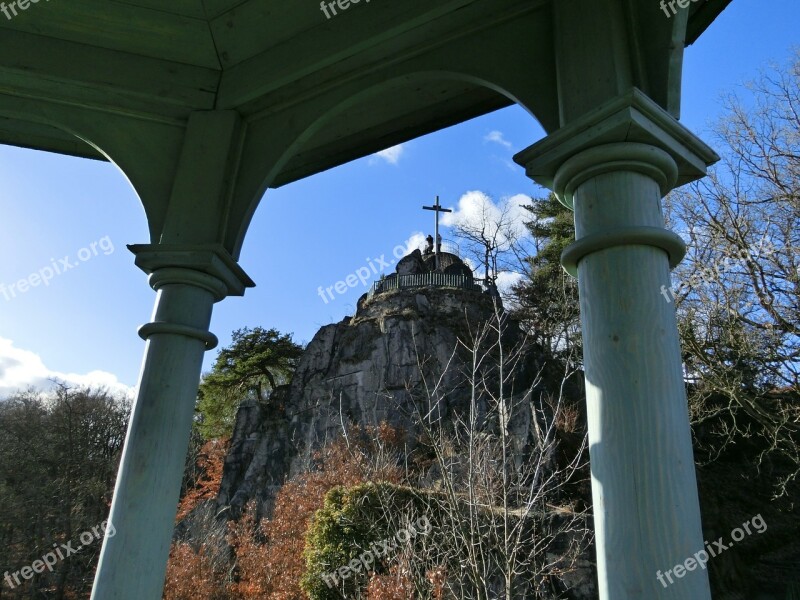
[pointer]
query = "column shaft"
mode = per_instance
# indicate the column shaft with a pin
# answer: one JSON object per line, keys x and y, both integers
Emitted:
{"x": 133, "y": 561}
{"x": 613, "y": 165}
{"x": 646, "y": 509}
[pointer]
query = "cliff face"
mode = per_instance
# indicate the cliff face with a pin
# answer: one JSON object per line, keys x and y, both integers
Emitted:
{"x": 376, "y": 367}
{"x": 406, "y": 359}
{"x": 364, "y": 370}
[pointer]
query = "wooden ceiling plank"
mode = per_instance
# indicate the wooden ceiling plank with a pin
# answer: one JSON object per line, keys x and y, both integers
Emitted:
{"x": 152, "y": 61}
{"x": 237, "y": 42}
{"x": 333, "y": 44}
{"x": 122, "y": 27}
{"x": 215, "y": 8}
{"x": 35, "y": 64}
{"x": 297, "y": 59}
{"x": 185, "y": 8}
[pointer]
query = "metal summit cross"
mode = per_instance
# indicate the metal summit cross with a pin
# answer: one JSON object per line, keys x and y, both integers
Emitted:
{"x": 436, "y": 208}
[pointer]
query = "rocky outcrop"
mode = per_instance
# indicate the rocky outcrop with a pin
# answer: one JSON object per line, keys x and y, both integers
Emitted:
{"x": 405, "y": 359}
{"x": 372, "y": 368}
{"x": 365, "y": 370}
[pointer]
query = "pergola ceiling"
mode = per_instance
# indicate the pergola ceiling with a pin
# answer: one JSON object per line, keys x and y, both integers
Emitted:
{"x": 157, "y": 61}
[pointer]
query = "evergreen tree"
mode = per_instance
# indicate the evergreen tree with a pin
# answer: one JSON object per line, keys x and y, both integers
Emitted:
{"x": 252, "y": 367}
{"x": 548, "y": 298}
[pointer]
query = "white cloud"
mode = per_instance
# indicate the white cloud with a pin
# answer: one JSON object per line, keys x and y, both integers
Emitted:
{"x": 498, "y": 138}
{"x": 506, "y": 280}
{"x": 20, "y": 369}
{"x": 475, "y": 208}
{"x": 416, "y": 241}
{"x": 390, "y": 155}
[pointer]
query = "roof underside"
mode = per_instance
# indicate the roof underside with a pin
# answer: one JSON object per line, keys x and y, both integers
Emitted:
{"x": 161, "y": 60}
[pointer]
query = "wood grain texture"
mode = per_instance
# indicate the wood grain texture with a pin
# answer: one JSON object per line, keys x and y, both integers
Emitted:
{"x": 646, "y": 507}
{"x": 151, "y": 468}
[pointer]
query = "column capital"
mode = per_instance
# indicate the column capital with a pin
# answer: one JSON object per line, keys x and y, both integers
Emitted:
{"x": 630, "y": 119}
{"x": 209, "y": 260}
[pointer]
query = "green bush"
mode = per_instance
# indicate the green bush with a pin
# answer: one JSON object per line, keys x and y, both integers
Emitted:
{"x": 350, "y": 521}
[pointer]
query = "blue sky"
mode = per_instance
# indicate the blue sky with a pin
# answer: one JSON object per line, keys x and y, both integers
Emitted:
{"x": 81, "y": 327}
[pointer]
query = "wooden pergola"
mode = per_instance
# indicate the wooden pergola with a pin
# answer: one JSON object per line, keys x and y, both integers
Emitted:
{"x": 206, "y": 104}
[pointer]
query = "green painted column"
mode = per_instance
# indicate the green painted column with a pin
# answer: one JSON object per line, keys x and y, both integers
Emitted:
{"x": 188, "y": 280}
{"x": 613, "y": 167}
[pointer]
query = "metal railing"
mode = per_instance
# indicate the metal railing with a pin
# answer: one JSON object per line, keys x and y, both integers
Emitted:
{"x": 447, "y": 246}
{"x": 397, "y": 282}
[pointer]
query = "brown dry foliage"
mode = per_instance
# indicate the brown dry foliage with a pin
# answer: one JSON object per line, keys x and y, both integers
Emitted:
{"x": 273, "y": 570}
{"x": 210, "y": 462}
{"x": 191, "y": 575}
{"x": 397, "y": 585}
{"x": 438, "y": 579}
{"x": 269, "y": 553}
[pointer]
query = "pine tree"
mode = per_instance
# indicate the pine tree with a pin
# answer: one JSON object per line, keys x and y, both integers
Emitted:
{"x": 548, "y": 298}
{"x": 252, "y": 367}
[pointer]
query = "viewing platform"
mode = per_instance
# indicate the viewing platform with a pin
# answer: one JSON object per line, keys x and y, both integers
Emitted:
{"x": 418, "y": 270}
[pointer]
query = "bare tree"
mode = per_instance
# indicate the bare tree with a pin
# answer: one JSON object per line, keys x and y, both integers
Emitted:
{"x": 58, "y": 461}
{"x": 738, "y": 291}
{"x": 507, "y": 524}
{"x": 494, "y": 237}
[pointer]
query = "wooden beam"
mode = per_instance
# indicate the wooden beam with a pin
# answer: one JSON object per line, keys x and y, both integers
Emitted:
{"x": 122, "y": 27}
{"x": 701, "y": 18}
{"x": 41, "y": 137}
{"x": 43, "y": 67}
{"x": 185, "y": 8}
{"x": 432, "y": 118}
{"x": 372, "y": 37}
